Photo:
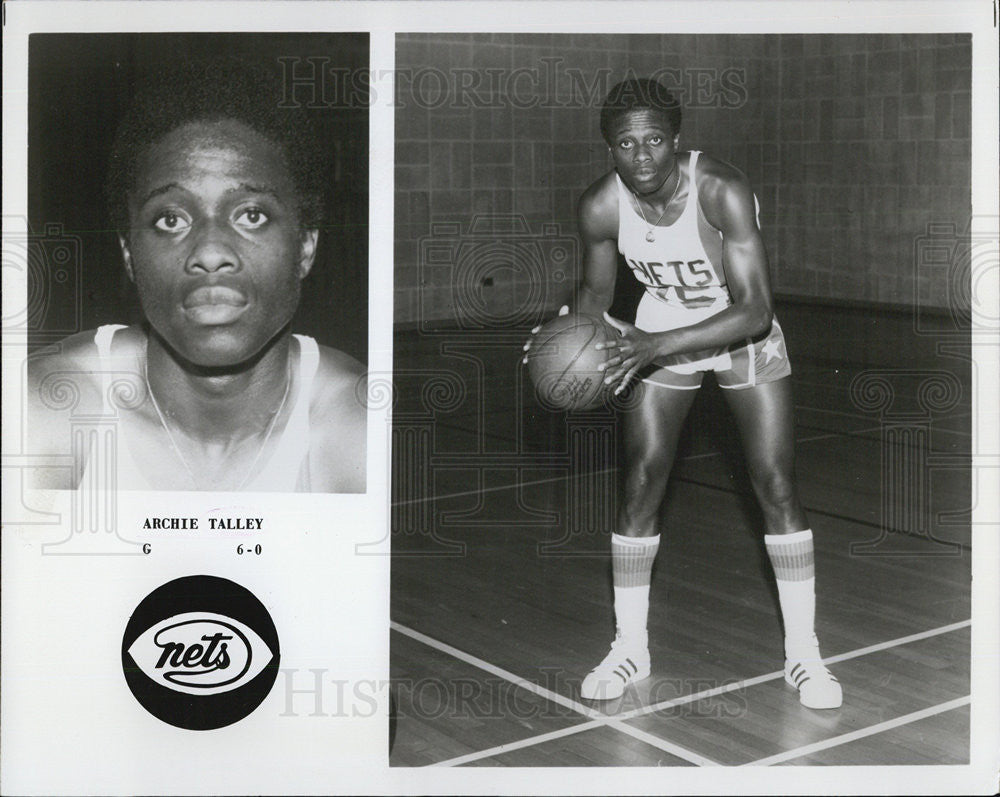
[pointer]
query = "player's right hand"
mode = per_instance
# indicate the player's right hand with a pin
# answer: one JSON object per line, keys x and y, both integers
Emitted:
{"x": 635, "y": 350}
{"x": 564, "y": 310}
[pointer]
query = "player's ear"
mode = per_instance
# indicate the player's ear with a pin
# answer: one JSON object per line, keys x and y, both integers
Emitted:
{"x": 126, "y": 256}
{"x": 307, "y": 251}
{"x": 677, "y": 139}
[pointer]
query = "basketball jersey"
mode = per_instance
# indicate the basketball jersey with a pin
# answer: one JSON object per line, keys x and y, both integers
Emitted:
{"x": 682, "y": 265}
{"x": 287, "y": 469}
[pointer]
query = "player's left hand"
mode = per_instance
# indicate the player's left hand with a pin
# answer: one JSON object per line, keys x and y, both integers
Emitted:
{"x": 631, "y": 352}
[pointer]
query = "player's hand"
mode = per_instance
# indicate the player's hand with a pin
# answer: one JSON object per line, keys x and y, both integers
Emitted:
{"x": 564, "y": 310}
{"x": 629, "y": 353}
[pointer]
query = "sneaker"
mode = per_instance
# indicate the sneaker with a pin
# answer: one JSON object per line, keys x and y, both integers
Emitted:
{"x": 628, "y": 662}
{"x": 818, "y": 687}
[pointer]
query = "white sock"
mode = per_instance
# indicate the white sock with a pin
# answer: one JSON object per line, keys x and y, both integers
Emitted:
{"x": 632, "y": 565}
{"x": 791, "y": 557}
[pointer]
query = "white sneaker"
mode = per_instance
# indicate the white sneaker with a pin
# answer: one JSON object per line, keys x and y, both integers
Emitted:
{"x": 628, "y": 662}
{"x": 818, "y": 687}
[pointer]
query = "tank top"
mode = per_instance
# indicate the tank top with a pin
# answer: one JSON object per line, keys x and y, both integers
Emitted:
{"x": 287, "y": 469}
{"x": 682, "y": 265}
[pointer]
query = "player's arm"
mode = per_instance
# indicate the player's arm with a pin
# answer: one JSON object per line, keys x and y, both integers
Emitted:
{"x": 597, "y": 220}
{"x": 728, "y": 204}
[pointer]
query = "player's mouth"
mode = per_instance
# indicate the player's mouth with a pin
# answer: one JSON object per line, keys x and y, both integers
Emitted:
{"x": 215, "y": 304}
{"x": 646, "y": 177}
{"x": 645, "y": 174}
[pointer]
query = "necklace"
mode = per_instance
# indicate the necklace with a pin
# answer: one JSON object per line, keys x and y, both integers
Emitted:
{"x": 173, "y": 442}
{"x": 650, "y": 235}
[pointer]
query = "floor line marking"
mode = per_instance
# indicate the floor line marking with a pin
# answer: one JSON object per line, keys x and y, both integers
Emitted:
{"x": 688, "y": 458}
{"x": 687, "y": 480}
{"x": 828, "y": 435}
{"x": 861, "y": 414}
{"x": 773, "y": 676}
{"x": 531, "y": 741}
{"x": 618, "y": 721}
{"x": 411, "y": 501}
{"x": 861, "y": 733}
{"x": 702, "y": 695}
{"x": 899, "y": 641}
{"x": 813, "y": 439}
{"x": 517, "y": 680}
{"x": 596, "y": 717}
{"x": 663, "y": 744}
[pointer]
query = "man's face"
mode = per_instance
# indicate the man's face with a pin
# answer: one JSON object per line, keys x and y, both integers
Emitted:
{"x": 643, "y": 147}
{"x": 215, "y": 247}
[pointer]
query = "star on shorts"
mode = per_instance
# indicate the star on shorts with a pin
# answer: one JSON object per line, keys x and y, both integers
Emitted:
{"x": 772, "y": 351}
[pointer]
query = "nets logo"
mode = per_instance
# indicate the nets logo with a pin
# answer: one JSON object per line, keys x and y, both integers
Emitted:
{"x": 200, "y": 652}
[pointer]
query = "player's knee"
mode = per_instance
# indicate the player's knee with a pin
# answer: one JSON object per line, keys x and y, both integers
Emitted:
{"x": 645, "y": 481}
{"x": 646, "y": 473}
{"x": 775, "y": 487}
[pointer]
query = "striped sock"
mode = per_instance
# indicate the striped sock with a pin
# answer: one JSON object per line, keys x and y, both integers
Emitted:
{"x": 794, "y": 569}
{"x": 631, "y": 566}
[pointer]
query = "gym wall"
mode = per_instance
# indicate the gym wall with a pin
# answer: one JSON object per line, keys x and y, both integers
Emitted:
{"x": 854, "y": 144}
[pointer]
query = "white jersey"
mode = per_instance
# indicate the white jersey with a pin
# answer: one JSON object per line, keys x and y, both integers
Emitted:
{"x": 682, "y": 265}
{"x": 286, "y": 470}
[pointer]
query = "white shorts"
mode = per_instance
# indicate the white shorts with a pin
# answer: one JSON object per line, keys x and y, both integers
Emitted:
{"x": 740, "y": 365}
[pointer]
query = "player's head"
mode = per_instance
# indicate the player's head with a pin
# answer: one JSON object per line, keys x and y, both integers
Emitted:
{"x": 205, "y": 90}
{"x": 639, "y": 94}
{"x": 217, "y": 196}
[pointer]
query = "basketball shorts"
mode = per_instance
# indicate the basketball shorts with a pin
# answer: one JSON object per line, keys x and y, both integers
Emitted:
{"x": 737, "y": 366}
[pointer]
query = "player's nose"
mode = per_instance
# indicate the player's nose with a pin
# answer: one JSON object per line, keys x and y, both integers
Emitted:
{"x": 642, "y": 154}
{"x": 211, "y": 250}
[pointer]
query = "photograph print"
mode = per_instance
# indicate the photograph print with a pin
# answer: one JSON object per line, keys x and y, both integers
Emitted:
{"x": 681, "y": 448}
{"x": 198, "y": 262}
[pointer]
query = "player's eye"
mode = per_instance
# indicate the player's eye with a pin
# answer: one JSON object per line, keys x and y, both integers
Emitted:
{"x": 656, "y": 140}
{"x": 252, "y": 218}
{"x": 625, "y": 144}
{"x": 170, "y": 221}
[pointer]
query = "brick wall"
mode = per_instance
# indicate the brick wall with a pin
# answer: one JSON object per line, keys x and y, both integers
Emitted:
{"x": 872, "y": 144}
{"x": 852, "y": 143}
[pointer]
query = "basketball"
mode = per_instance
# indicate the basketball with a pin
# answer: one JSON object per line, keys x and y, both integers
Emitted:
{"x": 563, "y": 361}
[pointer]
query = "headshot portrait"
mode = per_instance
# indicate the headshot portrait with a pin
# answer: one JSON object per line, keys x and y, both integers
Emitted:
{"x": 208, "y": 328}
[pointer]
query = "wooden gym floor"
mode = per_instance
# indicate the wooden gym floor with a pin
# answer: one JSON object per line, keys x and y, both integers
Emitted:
{"x": 501, "y": 584}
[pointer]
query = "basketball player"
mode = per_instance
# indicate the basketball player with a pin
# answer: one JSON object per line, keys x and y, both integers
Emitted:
{"x": 686, "y": 225}
{"x": 216, "y": 194}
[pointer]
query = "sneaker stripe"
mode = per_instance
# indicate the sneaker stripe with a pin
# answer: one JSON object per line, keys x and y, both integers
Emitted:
{"x": 798, "y": 672}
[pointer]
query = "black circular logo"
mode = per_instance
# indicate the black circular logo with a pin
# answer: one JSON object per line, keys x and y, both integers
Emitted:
{"x": 200, "y": 652}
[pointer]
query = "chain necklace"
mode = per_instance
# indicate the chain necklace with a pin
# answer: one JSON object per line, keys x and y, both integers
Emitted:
{"x": 650, "y": 235}
{"x": 173, "y": 441}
